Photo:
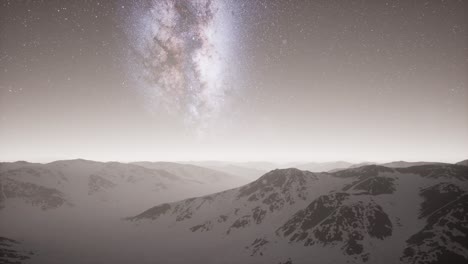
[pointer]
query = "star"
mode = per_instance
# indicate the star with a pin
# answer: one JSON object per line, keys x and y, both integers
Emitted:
{"x": 181, "y": 55}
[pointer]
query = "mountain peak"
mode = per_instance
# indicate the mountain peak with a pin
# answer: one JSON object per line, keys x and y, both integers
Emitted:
{"x": 74, "y": 161}
{"x": 364, "y": 171}
{"x": 283, "y": 179}
{"x": 278, "y": 177}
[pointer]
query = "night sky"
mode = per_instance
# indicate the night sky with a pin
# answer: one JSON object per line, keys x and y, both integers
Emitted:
{"x": 234, "y": 80}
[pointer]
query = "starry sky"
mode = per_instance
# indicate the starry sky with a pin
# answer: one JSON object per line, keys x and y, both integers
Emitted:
{"x": 277, "y": 80}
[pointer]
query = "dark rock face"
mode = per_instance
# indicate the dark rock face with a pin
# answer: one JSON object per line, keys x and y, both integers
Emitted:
{"x": 373, "y": 185}
{"x": 153, "y": 213}
{"x": 208, "y": 225}
{"x": 240, "y": 223}
{"x": 312, "y": 215}
{"x": 278, "y": 188}
{"x": 185, "y": 211}
{"x": 97, "y": 183}
{"x": 257, "y": 245}
{"x": 437, "y": 196}
{"x": 203, "y": 227}
{"x": 448, "y": 171}
{"x": 222, "y": 218}
{"x": 444, "y": 239}
{"x": 332, "y": 220}
{"x": 289, "y": 261}
{"x": 258, "y": 214}
{"x": 9, "y": 254}
{"x": 357, "y": 219}
{"x": 369, "y": 180}
{"x": 182, "y": 211}
{"x": 36, "y": 195}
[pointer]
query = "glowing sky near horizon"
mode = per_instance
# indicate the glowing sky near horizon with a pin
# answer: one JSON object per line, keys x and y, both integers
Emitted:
{"x": 278, "y": 80}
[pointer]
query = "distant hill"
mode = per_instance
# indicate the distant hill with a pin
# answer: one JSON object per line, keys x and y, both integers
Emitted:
{"x": 196, "y": 173}
{"x": 323, "y": 166}
{"x": 405, "y": 164}
{"x": 83, "y": 183}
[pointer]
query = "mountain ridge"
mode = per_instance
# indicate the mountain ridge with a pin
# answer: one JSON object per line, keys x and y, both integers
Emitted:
{"x": 355, "y": 215}
{"x": 363, "y": 217}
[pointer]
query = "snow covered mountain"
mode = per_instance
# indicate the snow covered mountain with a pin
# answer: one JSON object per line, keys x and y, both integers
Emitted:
{"x": 257, "y": 169}
{"x": 197, "y": 174}
{"x": 255, "y": 165}
{"x": 75, "y": 206}
{"x": 324, "y": 166}
{"x": 71, "y": 212}
{"x": 371, "y": 214}
{"x": 406, "y": 164}
{"x": 233, "y": 169}
{"x": 83, "y": 183}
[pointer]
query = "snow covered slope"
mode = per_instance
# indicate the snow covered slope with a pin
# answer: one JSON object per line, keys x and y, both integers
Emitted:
{"x": 371, "y": 214}
{"x": 68, "y": 210}
{"x": 197, "y": 174}
{"x": 233, "y": 169}
{"x": 83, "y": 183}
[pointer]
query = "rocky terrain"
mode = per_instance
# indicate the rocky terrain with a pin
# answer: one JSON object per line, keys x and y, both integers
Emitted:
{"x": 357, "y": 215}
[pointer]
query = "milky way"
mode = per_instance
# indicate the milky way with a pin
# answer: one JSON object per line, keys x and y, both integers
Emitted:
{"x": 179, "y": 55}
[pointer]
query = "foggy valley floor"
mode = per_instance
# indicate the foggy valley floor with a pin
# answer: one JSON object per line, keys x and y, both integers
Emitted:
{"x": 81, "y": 211}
